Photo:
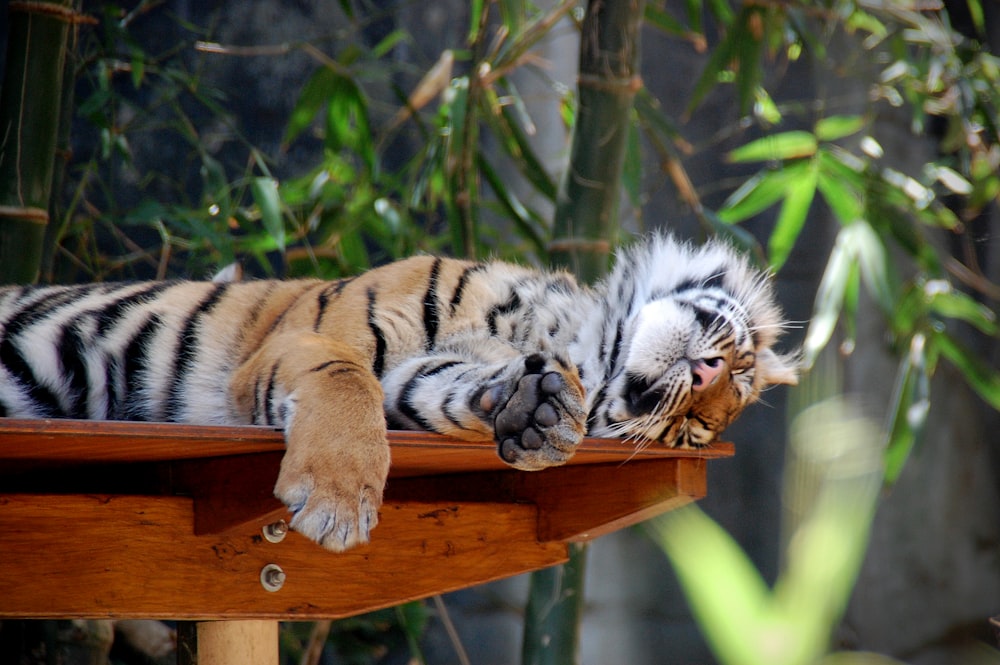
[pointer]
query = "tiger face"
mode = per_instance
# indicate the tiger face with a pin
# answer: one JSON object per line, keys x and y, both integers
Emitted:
{"x": 693, "y": 353}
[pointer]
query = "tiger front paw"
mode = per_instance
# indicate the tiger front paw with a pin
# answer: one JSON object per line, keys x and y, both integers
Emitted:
{"x": 543, "y": 419}
{"x": 332, "y": 502}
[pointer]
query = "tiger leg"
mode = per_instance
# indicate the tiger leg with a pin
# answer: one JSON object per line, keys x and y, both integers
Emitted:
{"x": 329, "y": 404}
{"x": 532, "y": 406}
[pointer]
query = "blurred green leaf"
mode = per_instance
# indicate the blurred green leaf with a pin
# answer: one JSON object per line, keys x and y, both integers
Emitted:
{"x": 265, "y": 195}
{"x": 985, "y": 380}
{"x": 829, "y": 300}
{"x": 838, "y": 126}
{"x": 316, "y": 92}
{"x": 874, "y": 261}
{"x": 761, "y": 192}
{"x": 908, "y": 409}
{"x": 775, "y": 147}
{"x": 475, "y": 19}
{"x": 658, "y": 18}
{"x": 946, "y": 301}
{"x": 842, "y": 194}
{"x": 726, "y": 593}
{"x": 799, "y": 193}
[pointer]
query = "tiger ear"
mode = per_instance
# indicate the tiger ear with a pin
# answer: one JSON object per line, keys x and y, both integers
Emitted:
{"x": 776, "y": 368}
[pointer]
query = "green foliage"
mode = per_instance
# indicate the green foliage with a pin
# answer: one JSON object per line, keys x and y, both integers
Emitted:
{"x": 884, "y": 213}
{"x": 833, "y": 477}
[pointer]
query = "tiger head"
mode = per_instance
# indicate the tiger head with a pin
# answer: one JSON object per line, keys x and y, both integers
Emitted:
{"x": 692, "y": 347}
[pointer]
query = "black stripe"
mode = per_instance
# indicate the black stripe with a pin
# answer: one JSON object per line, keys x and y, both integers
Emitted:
{"x": 111, "y": 315}
{"x": 135, "y": 362}
{"x": 403, "y": 403}
{"x": 378, "y": 363}
{"x": 431, "y": 314}
{"x": 463, "y": 280}
{"x": 512, "y": 304}
{"x": 71, "y": 349}
{"x": 112, "y": 370}
{"x": 255, "y": 414}
{"x": 332, "y": 291}
{"x": 616, "y": 348}
{"x": 187, "y": 350}
{"x": 450, "y": 399}
{"x": 17, "y": 364}
{"x": 269, "y": 394}
{"x": 49, "y": 301}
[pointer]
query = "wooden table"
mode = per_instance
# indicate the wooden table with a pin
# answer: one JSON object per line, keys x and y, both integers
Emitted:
{"x": 139, "y": 520}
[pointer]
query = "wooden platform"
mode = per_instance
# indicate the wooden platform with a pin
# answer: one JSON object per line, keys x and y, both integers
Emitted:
{"x": 110, "y": 519}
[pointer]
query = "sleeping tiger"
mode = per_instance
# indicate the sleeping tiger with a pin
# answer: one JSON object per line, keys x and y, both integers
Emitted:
{"x": 670, "y": 348}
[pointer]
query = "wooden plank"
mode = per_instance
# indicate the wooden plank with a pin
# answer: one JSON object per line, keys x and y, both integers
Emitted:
{"x": 413, "y": 453}
{"x": 137, "y": 557}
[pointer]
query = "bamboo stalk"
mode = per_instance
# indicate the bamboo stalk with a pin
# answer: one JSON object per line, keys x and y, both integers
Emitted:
{"x": 584, "y": 231}
{"x": 586, "y": 217}
{"x": 29, "y": 119}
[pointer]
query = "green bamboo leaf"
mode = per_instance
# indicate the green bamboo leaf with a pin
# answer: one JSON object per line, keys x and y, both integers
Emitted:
{"x": 977, "y": 15}
{"x": 909, "y": 407}
{"x": 829, "y": 300}
{"x": 475, "y": 18}
{"x": 765, "y": 108}
{"x": 760, "y": 192}
{"x": 946, "y": 301}
{"x": 316, "y": 92}
{"x": 838, "y": 126}
{"x": 985, "y": 380}
{"x": 713, "y": 72}
{"x": 725, "y": 591}
{"x": 347, "y": 124}
{"x": 693, "y": 10}
{"x": 389, "y": 42}
{"x": 799, "y": 194}
{"x": 721, "y": 10}
{"x": 265, "y": 195}
{"x": 749, "y": 49}
{"x": 844, "y": 202}
{"x": 874, "y": 261}
{"x": 786, "y": 145}
{"x": 736, "y": 235}
{"x": 662, "y": 20}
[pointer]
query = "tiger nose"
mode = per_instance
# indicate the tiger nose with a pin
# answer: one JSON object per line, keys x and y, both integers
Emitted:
{"x": 704, "y": 371}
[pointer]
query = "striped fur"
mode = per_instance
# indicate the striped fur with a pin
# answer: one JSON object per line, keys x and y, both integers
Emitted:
{"x": 670, "y": 348}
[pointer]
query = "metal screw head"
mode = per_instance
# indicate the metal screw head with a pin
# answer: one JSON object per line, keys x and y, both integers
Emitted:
{"x": 272, "y": 577}
{"x": 276, "y": 531}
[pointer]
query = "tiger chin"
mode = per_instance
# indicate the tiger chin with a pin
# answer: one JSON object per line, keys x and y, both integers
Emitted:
{"x": 670, "y": 348}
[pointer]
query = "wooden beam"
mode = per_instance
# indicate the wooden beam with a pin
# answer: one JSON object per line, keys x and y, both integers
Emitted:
{"x": 137, "y": 557}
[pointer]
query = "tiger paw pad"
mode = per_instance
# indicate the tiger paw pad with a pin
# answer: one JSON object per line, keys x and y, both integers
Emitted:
{"x": 543, "y": 419}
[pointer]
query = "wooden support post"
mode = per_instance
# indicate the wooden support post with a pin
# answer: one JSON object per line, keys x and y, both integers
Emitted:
{"x": 247, "y": 642}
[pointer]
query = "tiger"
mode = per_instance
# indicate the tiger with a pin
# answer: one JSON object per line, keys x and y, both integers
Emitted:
{"x": 668, "y": 349}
